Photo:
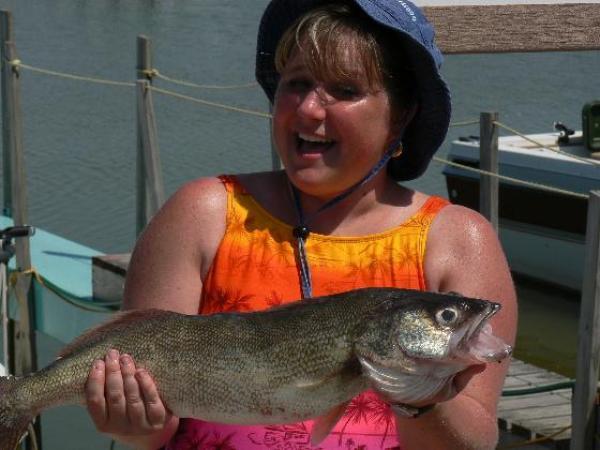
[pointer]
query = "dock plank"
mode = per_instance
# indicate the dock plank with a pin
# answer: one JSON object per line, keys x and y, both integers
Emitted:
{"x": 543, "y": 414}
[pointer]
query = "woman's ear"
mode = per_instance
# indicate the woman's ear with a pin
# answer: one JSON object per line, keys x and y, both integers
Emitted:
{"x": 402, "y": 119}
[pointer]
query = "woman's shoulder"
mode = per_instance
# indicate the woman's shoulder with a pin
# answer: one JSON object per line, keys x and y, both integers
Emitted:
{"x": 206, "y": 190}
{"x": 195, "y": 212}
{"x": 456, "y": 220}
{"x": 462, "y": 240}
{"x": 461, "y": 231}
{"x": 179, "y": 243}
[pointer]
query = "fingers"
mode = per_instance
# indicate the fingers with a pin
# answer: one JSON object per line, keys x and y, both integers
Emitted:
{"x": 135, "y": 406}
{"x": 94, "y": 395}
{"x": 156, "y": 413}
{"x": 114, "y": 390}
{"x": 122, "y": 399}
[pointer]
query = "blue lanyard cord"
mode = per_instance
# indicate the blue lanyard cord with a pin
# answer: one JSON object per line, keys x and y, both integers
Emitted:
{"x": 304, "y": 269}
{"x": 302, "y": 231}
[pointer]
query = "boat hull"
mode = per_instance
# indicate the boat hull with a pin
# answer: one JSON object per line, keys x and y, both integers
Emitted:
{"x": 542, "y": 231}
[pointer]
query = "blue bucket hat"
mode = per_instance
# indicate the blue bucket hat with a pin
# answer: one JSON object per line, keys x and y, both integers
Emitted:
{"x": 426, "y": 132}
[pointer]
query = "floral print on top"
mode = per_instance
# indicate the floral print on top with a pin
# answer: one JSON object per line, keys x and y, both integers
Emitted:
{"x": 255, "y": 268}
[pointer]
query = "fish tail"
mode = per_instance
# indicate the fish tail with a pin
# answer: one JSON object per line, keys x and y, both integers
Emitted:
{"x": 13, "y": 419}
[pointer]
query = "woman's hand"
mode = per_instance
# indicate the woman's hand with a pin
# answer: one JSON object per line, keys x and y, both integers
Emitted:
{"x": 124, "y": 401}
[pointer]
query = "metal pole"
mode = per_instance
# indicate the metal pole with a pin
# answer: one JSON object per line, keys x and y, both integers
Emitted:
{"x": 583, "y": 436}
{"x": 6, "y": 35}
{"x": 488, "y": 161}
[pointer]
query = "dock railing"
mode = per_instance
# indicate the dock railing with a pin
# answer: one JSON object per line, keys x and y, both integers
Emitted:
{"x": 461, "y": 28}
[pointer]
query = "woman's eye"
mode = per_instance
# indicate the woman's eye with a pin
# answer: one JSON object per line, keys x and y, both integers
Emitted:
{"x": 344, "y": 92}
{"x": 297, "y": 85}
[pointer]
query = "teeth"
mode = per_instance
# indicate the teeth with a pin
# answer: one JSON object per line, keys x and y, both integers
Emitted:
{"x": 308, "y": 138}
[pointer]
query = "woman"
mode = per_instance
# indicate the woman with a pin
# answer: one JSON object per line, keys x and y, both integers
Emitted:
{"x": 358, "y": 104}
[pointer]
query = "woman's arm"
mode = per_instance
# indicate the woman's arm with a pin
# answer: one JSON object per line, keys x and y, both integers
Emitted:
{"x": 170, "y": 259}
{"x": 464, "y": 255}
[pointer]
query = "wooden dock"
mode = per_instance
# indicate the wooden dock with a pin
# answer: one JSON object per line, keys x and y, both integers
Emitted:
{"x": 539, "y": 415}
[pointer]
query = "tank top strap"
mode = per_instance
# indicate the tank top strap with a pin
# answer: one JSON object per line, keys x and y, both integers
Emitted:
{"x": 424, "y": 218}
{"x": 231, "y": 184}
{"x": 433, "y": 205}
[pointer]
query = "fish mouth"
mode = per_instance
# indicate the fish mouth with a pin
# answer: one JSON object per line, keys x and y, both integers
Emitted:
{"x": 479, "y": 343}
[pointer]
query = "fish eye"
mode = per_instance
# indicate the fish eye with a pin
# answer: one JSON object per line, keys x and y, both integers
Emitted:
{"x": 447, "y": 316}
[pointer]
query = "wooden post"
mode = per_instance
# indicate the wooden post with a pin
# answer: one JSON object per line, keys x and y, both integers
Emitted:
{"x": 488, "y": 161}
{"x": 152, "y": 183}
{"x": 588, "y": 350}
{"x": 150, "y": 188}
{"x": 22, "y": 343}
{"x": 6, "y": 34}
{"x": 144, "y": 58}
{"x": 24, "y": 359}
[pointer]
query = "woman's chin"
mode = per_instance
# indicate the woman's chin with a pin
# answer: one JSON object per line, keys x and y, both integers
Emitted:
{"x": 318, "y": 182}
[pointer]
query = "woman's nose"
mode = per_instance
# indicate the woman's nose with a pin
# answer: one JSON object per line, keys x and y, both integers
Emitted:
{"x": 312, "y": 105}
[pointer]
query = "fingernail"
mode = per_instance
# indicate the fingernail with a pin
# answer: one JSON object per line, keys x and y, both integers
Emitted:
{"x": 98, "y": 364}
{"x": 140, "y": 373}
{"x": 113, "y": 355}
{"x": 125, "y": 360}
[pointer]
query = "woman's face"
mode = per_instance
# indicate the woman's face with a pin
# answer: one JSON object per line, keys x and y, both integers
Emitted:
{"x": 329, "y": 134}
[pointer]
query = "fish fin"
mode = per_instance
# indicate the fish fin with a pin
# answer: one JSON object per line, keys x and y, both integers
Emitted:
{"x": 324, "y": 424}
{"x": 13, "y": 422}
{"x": 119, "y": 320}
{"x": 402, "y": 387}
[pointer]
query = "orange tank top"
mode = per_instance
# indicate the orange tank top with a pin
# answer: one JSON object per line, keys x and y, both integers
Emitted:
{"x": 255, "y": 268}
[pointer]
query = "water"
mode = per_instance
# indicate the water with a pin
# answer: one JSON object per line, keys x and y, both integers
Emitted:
{"x": 80, "y": 138}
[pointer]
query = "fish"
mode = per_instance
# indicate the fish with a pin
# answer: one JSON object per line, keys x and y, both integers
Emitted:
{"x": 304, "y": 360}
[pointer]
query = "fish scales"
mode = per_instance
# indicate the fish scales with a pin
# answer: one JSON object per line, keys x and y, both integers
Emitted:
{"x": 233, "y": 361}
{"x": 278, "y": 366}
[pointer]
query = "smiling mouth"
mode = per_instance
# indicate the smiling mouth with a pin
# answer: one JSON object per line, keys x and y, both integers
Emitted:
{"x": 311, "y": 144}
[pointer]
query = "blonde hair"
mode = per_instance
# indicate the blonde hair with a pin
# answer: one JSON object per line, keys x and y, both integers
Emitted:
{"x": 325, "y": 34}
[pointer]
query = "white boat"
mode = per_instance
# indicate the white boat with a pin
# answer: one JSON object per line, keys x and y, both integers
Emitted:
{"x": 542, "y": 231}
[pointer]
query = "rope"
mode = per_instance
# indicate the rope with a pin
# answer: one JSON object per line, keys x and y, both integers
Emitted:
{"x": 213, "y": 104}
{"x": 19, "y": 64}
{"x": 511, "y": 179}
{"x": 159, "y": 75}
{"x": 150, "y": 73}
{"x": 463, "y": 123}
{"x": 154, "y": 73}
{"x": 545, "y": 147}
{"x": 15, "y": 63}
{"x": 78, "y": 302}
{"x": 537, "y": 440}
